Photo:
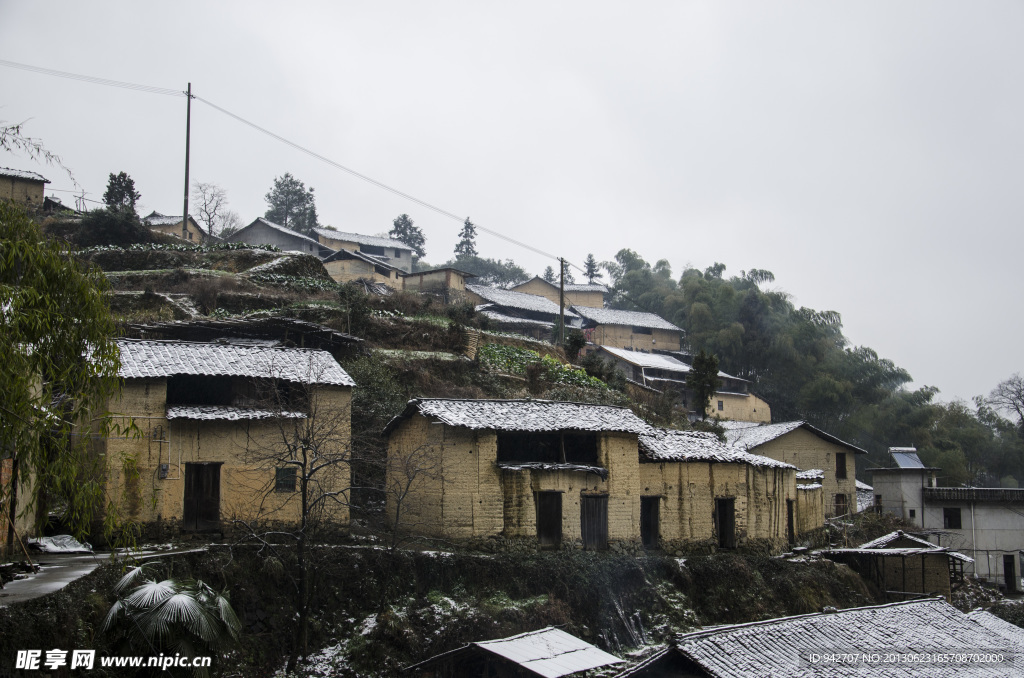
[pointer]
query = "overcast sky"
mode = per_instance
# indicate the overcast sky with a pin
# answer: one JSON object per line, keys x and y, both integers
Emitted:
{"x": 870, "y": 154}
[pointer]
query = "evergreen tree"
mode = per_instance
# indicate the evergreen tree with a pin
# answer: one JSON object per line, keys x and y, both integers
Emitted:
{"x": 591, "y": 269}
{"x": 404, "y": 230}
{"x": 549, "y": 275}
{"x": 467, "y": 241}
{"x": 292, "y": 205}
{"x": 702, "y": 380}
{"x": 121, "y": 195}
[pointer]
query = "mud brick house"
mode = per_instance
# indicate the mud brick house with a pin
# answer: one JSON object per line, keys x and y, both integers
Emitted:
{"x": 587, "y": 294}
{"x": 169, "y": 225}
{"x": 693, "y": 487}
{"x": 21, "y": 187}
{"x": 264, "y": 232}
{"x": 667, "y": 373}
{"x": 218, "y": 424}
{"x": 576, "y": 474}
{"x": 635, "y": 330}
{"x": 985, "y": 522}
{"x": 806, "y": 447}
{"x": 447, "y": 283}
{"x": 393, "y": 252}
{"x": 525, "y": 314}
{"x": 347, "y": 265}
{"x": 787, "y": 646}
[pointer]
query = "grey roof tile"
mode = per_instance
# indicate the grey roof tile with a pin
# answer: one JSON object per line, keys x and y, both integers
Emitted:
{"x": 518, "y": 300}
{"x": 215, "y": 412}
{"x": 22, "y": 174}
{"x": 669, "y": 445}
{"x": 524, "y": 415}
{"x": 360, "y": 239}
{"x": 755, "y": 436}
{"x": 154, "y": 359}
{"x": 609, "y": 316}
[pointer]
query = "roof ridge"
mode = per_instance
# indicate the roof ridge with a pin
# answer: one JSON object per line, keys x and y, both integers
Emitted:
{"x": 190, "y": 342}
{"x": 518, "y": 400}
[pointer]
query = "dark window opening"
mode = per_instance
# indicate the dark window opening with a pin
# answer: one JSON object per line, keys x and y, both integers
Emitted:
{"x": 373, "y": 249}
{"x": 951, "y": 519}
{"x": 594, "y": 522}
{"x": 721, "y": 405}
{"x": 193, "y": 389}
{"x": 725, "y": 522}
{"x": 913, "y": 513}
{"x": 650, "y": 515}
{"x": 551, "y": 448}
{"x": 284, "y": 480}
{"x": 642, "y": 330}
{"x": 841, "y": 465}
{"x": 549, "y": 519}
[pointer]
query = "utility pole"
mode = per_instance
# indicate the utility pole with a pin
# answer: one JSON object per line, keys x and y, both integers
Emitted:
{"x": 561, "y": 300}
{"x": 188, "y": 134}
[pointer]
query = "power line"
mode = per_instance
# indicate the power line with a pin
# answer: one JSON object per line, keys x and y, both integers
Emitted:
{"x": 177, "y": 93}
{"x": 94, "y": 80}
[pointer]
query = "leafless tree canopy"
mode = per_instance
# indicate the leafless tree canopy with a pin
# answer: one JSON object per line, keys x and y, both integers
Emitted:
{"x": 1008, "y": 397}
{"x": 13, "y": 140}
{"x": 211, "y": 203}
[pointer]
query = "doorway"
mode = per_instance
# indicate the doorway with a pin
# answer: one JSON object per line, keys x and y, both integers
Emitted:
{"x": 594, "y": 521}
{"x": 1010, "y": 574}
{"x": 549, "y": 519}
{"x": 650, "y": 520}
{"x": 790, "y": 527}
{"x": 202, "y": 498}
{"x": 725, "y": 522}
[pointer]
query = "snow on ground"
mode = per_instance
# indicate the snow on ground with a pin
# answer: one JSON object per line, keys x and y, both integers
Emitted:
{"x": 61, "y": 543}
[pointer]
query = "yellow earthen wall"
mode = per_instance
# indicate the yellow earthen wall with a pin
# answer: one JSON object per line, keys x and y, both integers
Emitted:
{"x": 922, "y": 573}
{"x": 572, "y": 298}
{"x": 21, "y": 191}
{"x": 737, "y": 407}
{"x": 247, "y": 477}
{"x": 621, "y": 336}
{"x": 354, "y": 269}
{"x": 689, "y": 490}
{"x": 434, "y": 281}
{"x": 807, "y": 451}
{"x": 810, "y": 510}
{"x": 196, "y": 235}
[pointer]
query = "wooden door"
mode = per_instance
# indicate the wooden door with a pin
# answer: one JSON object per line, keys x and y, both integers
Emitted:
{"x": 725, "y": 521}
{"x": 1010, "y": 574}
{"x": 650, "y": 521}
{"x": 202, "y": 498}
{"x": 549, "y": 519}
{"x": 594, "y": 521}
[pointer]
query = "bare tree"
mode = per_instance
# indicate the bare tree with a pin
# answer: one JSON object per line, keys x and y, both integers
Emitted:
{"x": 301, "y": 457}
{"x": 404, "y": 471}
{"x": 211, "y": 203}
{"x": 14, "y": 140}
{"x": 1008, "y": 396}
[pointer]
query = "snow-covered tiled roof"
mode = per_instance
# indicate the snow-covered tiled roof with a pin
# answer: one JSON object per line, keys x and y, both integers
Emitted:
{"x": 523, "y": 415}
{"x": 884, "y": 541}
{"x": 811, "y": 474}
{"x": 360, "y": 239}
{"x": 509, "y": 320}
{"x": 669, "y": 445}
{"x": 569, "y": 287}
{"x": 755, "y": 436}
{"x": 368, "y": 258}
{"x": 518, "y": 300}
{"x": 22, "y": 174}
{"x": 730, "y": 424}
{"x": 655, "y": 361}
{"x": 1013, "y": 633}
{"x": 155, "y": 359}
{"x": 547, "y": 652}
{"x": 780, "y": 647}
{"x": 864, "y": 487}
{"x": 208, "y": 412}
{"x": 157, "y": 219}
{"x": 608, "y": 316}
{"x": 809, "y": 486}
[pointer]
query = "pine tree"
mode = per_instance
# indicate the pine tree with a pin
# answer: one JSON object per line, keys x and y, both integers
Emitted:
{"x": 292, "y": 205}
{"x": 121, "y": 195}
{"x": 405, "y": 231}
{"x": 591, "y": 269}
{"x": 466, "y": 246}
{"x": 549, "y": 275}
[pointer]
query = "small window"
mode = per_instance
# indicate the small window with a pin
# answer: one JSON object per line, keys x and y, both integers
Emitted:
{"x": 721, "y": 405}
{"x": 951, "y": 519}
{"x": 285, "y": 480}
{"x": 841, "y": 465}
{"x": 913, "y": 513}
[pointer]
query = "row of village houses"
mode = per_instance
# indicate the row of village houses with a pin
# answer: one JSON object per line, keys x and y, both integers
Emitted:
{"x": 223, "y": 424}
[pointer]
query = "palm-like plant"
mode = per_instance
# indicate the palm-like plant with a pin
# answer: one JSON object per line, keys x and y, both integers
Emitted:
{"x": 170, "y": 616}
